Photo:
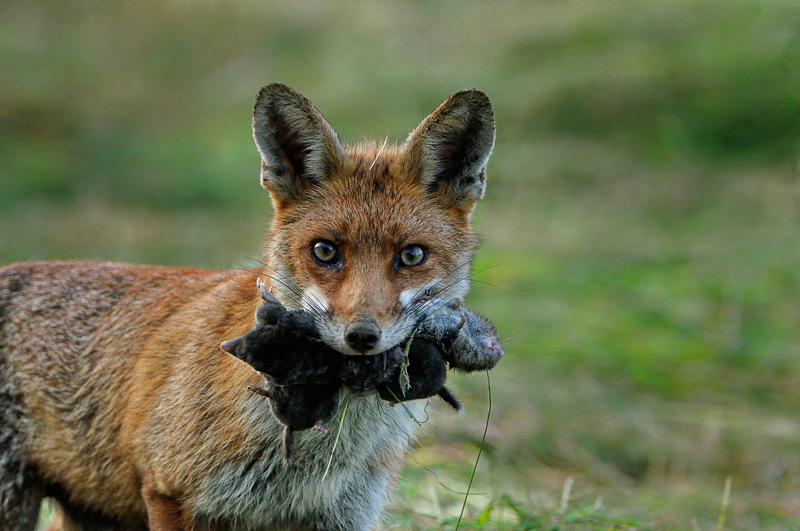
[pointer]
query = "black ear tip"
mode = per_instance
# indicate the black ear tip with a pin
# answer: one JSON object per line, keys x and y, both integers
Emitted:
{"x": 474, "y": 94}
{"x": 274, "y": 89}
{"x": 473, "y": 97}
{"x": 276, "y": 86}
{"x": 263, "y": 95}
{"x": 275, "y": 95}
{"x": 280, "y": 95}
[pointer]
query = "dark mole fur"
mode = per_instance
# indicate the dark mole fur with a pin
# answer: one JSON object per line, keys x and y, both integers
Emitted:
{"x": 305, "y": 375}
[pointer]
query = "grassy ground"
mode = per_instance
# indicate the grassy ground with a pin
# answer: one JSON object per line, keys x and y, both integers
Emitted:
{"x": 641, "y": 242}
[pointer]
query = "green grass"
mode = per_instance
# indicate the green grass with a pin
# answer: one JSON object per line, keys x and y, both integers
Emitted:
{"x": 640, "y": 228}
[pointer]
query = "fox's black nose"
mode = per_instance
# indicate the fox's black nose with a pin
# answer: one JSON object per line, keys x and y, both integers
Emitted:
{"x": 362, "y": 335}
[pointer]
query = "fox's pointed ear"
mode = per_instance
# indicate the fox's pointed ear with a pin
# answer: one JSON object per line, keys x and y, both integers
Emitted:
{"x": 298, "y": 147}
{"x": 450, "y": 148}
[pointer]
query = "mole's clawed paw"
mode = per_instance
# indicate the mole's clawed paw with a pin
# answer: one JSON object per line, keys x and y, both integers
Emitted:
{"x": 258, "y": 390}
{"x": 271, "y": 310}
{"x": 468, "y": 341}
{"x": 320, "y": 427}
{"x": 490, "y": 346}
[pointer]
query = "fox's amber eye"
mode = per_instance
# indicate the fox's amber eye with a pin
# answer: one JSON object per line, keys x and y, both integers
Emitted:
{"x": 413, "y": 255}
{"x": 325, "y": 253}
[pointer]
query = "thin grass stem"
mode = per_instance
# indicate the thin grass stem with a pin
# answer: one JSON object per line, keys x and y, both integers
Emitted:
{"x": 480, "y": 450}
{"x": 726, "y": 498}
{"x": 338, "y": 434}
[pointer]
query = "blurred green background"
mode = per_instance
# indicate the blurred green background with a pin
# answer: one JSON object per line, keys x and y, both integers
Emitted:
{"x": 641, "y": 251}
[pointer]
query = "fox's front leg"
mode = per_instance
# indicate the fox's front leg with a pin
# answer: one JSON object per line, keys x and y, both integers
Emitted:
{"x": 165, "y": 513}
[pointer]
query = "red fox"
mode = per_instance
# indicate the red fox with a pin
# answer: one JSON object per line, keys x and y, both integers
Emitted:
{"x": 116, "y": 401}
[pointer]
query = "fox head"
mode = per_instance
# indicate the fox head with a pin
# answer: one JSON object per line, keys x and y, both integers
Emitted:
{"x": 369, "y": 237}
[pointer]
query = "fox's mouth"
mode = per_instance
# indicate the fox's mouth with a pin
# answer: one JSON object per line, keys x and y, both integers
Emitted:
{"x": 346, "y": 350}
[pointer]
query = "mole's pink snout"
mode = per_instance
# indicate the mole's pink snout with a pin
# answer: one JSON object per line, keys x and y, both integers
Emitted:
{"x": 227, "y": 346}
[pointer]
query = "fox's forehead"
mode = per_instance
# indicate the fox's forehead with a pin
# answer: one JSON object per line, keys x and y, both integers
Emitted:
{"x": 375, "y": 196}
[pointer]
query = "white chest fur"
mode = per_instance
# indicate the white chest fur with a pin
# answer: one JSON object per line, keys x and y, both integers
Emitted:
{"x": 266, "y": 492}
